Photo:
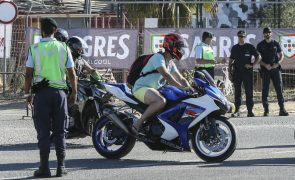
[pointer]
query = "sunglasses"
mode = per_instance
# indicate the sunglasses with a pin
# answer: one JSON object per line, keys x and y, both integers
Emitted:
{"x": 242, "y": 36}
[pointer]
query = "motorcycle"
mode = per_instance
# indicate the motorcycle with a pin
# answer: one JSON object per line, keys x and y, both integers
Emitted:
{"x": 88, "y": 108}
{"x": 196, "y": 117}
{"x": 84, "y": 114}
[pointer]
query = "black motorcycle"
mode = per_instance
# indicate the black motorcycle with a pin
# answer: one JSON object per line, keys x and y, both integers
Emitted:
{"x": 84, "y": 114}
{"x": 88, "y": 108}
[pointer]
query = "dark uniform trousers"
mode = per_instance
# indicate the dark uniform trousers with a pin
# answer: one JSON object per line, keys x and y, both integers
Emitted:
{"x": 276, "y": 76}
{"x": 245, "y": 77}
{"x": 51, "y": 103}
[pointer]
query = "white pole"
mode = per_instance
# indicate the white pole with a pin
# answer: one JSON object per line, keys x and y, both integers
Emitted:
{"x": 5, "y": 68}
{"x": 124, "y": 24}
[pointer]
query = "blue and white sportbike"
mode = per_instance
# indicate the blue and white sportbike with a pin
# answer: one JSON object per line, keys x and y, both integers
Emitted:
{"x": 190, "y": 121}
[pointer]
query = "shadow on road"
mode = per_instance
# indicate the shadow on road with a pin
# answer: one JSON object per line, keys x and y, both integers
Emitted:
{"x": 88, "y": 164}
{"x": 269, "y": 147}
{"x": 73, "y": 164}
{"x": 13, "y": 105}
{"x": 255, "y": 162}
{"x": 123, "y": 163}
{"x": 34, "y": 146}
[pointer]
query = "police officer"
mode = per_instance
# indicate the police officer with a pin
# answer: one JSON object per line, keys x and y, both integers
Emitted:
{"x": 205, "y": 57}
{"x": 241, "y": 71}
{"x": 272, "y": 57}
{"x": 46, "y": 65}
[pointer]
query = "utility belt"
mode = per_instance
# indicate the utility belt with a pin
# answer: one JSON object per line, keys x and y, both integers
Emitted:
{"x": 40, "y": 85}
{"x": 36, "y": 88}
{"x": 279, "y": 68}
{"x": 263, "y": 71}
{"x": 241, "y": 68}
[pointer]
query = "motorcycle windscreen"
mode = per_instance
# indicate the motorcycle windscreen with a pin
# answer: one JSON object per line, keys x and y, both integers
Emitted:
{"x": 208, "y": 78}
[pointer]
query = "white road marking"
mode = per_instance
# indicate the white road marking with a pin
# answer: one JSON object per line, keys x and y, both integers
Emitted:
{"x": 283, "y": 152}
{"x": 17, "y": 177}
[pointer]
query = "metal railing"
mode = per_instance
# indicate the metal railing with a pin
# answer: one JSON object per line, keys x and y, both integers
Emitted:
{"x": 14, "y": 86}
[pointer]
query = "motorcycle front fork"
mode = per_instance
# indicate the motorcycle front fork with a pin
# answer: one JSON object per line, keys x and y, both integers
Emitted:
{"x": 211, "y": 127}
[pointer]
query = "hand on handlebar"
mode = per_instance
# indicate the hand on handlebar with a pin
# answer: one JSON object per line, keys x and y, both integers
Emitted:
{"x": 189, "y": 89}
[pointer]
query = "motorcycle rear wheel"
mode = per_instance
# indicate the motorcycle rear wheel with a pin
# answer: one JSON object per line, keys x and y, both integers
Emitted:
{"x": 102, "y": 140}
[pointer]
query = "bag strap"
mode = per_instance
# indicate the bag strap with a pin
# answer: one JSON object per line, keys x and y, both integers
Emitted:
{"x": 150, "y": 72}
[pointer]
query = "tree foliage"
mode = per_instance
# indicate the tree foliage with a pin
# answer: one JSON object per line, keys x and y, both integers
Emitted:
{"x": 167, "y": 13}
{"x": 282, "y": 16}
{"x": 267, "y": 15}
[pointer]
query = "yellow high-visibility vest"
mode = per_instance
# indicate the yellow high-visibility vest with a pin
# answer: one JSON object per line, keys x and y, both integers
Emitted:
{"x": 50, "y": 59}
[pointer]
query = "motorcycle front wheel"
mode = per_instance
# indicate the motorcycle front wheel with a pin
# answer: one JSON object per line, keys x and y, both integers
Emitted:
{"x": 110, "y": 141}
{"x": 215, "y": 149}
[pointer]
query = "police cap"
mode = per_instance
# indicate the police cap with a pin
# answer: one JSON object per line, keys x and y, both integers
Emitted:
{"x": 48, "y": 22}
{"x": 267, "y": 30}
{"x": 242, "y": 33}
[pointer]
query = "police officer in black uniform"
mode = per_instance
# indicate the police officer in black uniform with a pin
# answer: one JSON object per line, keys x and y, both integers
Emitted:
{"x": 272, "y": 57}
{"x": 45, "y": 67}
{"x": 241, "y": 71}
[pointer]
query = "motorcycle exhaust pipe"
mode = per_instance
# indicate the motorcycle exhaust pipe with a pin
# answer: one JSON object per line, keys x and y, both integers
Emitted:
{"x": 113, "y": 116}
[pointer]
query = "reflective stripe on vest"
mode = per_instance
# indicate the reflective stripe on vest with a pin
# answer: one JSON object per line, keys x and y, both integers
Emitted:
{"x": 46, "y": 55}
{"x": 208, "y": 54}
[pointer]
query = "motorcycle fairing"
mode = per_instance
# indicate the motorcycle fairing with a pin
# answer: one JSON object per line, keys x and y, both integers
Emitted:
{"x": 201, "y": 107}
{"x": 211, "y": 90}
{"x": 196, "y": 109}
{"x": 120, "y": 90}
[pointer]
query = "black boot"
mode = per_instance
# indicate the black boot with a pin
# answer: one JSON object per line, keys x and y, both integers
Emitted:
{"x": 250, "y": 114}
{"x": 283, "y": 111}
{"x": 266, "y": 112}
{"x": 43, "y": 171}
{"x": 61, "y": 169}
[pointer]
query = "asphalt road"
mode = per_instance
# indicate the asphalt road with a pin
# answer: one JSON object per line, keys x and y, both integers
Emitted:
{"x": 266, "y": 150}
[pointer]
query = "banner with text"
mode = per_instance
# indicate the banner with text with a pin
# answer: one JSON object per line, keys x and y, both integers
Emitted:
{"x": 222, "y": 43}
{"x": 107, "y": 48}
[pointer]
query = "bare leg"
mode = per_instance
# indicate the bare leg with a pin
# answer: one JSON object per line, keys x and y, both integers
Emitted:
{"x": 156, "y": 103}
